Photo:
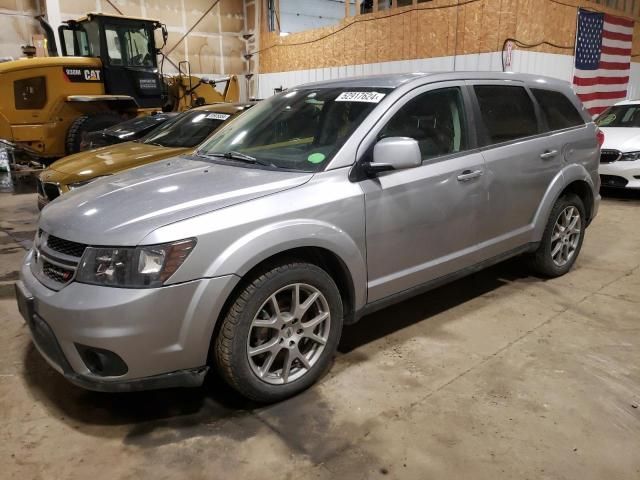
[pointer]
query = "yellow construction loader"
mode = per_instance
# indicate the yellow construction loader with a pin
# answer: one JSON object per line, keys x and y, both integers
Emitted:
{"x": 107, "y": 72}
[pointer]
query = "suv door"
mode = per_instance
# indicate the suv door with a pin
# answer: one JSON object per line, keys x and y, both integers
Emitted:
{"x": 421, "y": 223}
{"x": 521, "y": 162}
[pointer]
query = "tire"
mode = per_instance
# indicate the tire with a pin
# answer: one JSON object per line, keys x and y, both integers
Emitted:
{"x": 546, "y": 260}
{"x": 263, "y": 376}
{"x": 85, "y": 124}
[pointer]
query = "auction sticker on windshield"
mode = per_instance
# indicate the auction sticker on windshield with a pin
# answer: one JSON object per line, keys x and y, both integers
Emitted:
{"x": 218, "y": 116}
{"x": 368, "y": 97}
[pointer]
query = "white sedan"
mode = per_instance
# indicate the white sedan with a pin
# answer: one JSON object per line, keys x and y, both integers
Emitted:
{"x": 620, "y": 157}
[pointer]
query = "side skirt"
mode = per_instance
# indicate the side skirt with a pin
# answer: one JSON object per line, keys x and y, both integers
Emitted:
{"x": 437, "y": 282}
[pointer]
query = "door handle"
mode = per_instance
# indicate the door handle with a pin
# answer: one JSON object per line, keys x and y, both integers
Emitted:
{"x": 548, "y": 154}
{"x": 469, "y": 175}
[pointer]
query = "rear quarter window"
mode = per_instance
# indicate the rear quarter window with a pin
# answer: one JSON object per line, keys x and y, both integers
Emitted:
{"x": 507, "y": 112}
{"x": 557, "y": 109}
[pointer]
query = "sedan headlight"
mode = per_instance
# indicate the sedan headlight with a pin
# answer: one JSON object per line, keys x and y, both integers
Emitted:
{"x": 73, "y": 186}
{"x": 630, "y": 156}
{"x": 133, "y": 267}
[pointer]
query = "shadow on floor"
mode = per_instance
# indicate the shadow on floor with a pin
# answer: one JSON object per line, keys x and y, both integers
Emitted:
{"x": 159, "y": 417}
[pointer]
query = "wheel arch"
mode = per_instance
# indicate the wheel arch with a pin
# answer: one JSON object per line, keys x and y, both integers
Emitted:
{"x": 573, "y": 178}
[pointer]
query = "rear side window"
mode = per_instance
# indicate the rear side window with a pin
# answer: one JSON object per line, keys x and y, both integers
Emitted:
{"x": 507, "y": 112}
{"x": 558, "y": 109}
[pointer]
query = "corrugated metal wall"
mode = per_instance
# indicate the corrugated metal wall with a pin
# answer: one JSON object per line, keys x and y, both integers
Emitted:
{"x": 549, "y": 64}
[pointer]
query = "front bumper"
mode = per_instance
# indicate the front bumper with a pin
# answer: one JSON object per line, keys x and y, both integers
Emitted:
{"x": 620, "y": 174}
{"x": 162, "y": 334}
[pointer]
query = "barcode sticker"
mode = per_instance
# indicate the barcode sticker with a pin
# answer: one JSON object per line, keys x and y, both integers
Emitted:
{"x": 368, "y": 97}
{"x": 218, "y": 116}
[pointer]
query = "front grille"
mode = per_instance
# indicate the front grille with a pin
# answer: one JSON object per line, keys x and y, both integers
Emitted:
{"x": 51, "y": 191}
{"x": 56, "y": 273}
{"x": 613, "y": 181}
{"x": 66, "y": 247}
{"x": 610, "y": 156}
{"x": 55, "y": 260}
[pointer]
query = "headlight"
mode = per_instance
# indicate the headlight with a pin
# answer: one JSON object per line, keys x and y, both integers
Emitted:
{"x": 630, "y": 156}
{"x": 133, "y": 267}
{"x": 73, "y": 186}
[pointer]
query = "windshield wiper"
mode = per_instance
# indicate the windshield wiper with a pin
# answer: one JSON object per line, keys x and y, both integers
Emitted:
{"x": 242, "y": 157}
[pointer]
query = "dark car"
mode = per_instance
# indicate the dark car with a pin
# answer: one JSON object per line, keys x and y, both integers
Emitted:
{"x": 126, "y": 131}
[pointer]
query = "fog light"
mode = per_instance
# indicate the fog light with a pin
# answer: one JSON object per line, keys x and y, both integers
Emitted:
{"x": 102, "y": 362}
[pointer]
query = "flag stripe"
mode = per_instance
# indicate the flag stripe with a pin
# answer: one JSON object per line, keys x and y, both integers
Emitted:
{"x": 617, "y": 36}
{"x": 601, "y": 88}
{"x": 615, "y": 65}
{"x": 585, "y": 97}
{"x": 614, "y": 58}
{"x": 607, "y": 42}
{"x": 597, "y": 110}
{"x": 599, "y": 103}
{"x": 625, "y": 22}
{"x": 600, "y": 80}
{"x": 617, "y": 28}
{"x": 616, "y": 51}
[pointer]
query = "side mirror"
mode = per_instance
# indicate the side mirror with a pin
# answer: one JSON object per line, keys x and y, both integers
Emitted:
{"x": 395, "y": 153}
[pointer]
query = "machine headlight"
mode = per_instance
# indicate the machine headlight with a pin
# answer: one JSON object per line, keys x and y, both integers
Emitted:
{"x": 133, "y": 267}
{"x": 73, "y": 186}
{"x": 630, "y": 156}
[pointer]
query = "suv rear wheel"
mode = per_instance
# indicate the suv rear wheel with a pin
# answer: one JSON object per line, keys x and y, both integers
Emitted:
{"x": 562, "y": 238}
{"x": 281, "y": 332}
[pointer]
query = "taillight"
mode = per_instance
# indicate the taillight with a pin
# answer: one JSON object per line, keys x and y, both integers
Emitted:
{"x": 600, "y": 137}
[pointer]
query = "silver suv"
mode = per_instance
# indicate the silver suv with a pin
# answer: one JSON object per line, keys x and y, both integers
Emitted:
{"x": 316, "y": 207}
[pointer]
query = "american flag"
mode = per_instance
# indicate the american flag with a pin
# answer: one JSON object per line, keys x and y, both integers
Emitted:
{"x": 602, "y": 59}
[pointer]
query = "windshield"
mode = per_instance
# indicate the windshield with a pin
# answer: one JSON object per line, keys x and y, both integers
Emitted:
{"x": 137, "y": 125}
{"x": 620, "y": 116}
{"x": 297, "y": 130}
{"x": 187, "y": 129}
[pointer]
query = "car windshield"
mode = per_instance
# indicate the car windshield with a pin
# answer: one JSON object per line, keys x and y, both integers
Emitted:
{"x": 296, "y": 130}
{"x": 620, "y": 116}
{"x": 187, "y": 130}
{"x": 137, "y": 125}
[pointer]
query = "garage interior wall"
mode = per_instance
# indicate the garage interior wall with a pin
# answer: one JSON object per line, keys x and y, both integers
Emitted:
{"x": 214, "y": 47}
{"x": 434, "y": 36}
{"x": 18, "y": 26}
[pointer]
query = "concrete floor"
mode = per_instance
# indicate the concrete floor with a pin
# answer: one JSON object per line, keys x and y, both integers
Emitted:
{"x": 500, "y": 375}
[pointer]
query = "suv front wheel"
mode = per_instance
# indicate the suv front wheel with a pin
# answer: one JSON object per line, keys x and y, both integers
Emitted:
{"x": 562, "y": 238}
{"x": 281, "y": 332}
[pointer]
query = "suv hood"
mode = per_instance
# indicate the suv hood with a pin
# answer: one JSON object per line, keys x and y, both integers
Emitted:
{"x": 625, "y": 139}
{"x": 123, "y": 209}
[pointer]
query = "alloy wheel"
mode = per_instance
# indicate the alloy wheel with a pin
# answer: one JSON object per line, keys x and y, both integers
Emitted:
{"x": 566, "y": 236}
{"x": 288, "y": 334}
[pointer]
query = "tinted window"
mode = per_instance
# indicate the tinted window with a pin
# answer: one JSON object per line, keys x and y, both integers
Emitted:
{"x": 507, "y": 112}
{"x": 620, "y": 116}
{"x": 558, "y": 109}
{"x": 187, "y": 130}
{"x": 434, "y": 119}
